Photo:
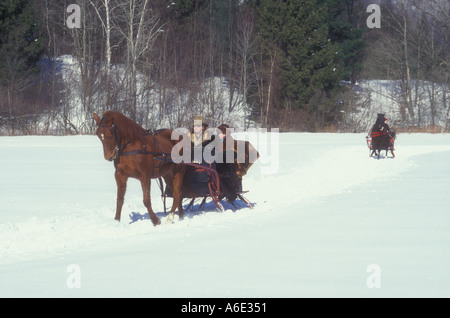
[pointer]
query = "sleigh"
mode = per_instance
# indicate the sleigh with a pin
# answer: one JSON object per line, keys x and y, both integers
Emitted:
{"x": 202, "y": 182}
{"x": 379, "y": 141}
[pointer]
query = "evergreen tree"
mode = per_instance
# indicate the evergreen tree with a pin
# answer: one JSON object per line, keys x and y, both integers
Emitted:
{"x": 344, "y": 31}
{"x": 300, "y": 30}
{"x": 20, "y": 47}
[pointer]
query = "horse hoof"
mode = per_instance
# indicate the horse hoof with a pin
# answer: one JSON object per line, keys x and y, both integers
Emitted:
{"x": 156, "y": 222}
{"x": 169, "y": 219}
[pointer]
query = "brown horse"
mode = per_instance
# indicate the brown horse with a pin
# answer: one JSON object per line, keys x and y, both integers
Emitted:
{"x": 140, "y": 155}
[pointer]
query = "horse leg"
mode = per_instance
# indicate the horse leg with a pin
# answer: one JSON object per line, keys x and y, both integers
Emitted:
{"x": 163, "y": 192}
{"x": 202, "y": 204}
{"x": 180, "y": 209}
{"x": 177, "y": 196}
{"x": 121, "y": 181}
{"x": 146, "y": 187}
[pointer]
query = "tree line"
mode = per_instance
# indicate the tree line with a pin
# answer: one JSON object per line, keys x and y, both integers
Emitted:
{"x": 247, "y": 62}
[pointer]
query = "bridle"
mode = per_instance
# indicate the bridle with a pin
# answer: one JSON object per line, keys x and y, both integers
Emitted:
{"x": 116, "y": 138}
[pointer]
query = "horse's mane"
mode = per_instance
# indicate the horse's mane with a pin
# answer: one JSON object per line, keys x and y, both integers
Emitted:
{"x": 126, "y": 129}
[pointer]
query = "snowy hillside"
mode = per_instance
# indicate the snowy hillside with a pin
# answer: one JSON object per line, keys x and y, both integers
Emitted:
{"x": 157, "y": 107}
{"x": 329, "y": 221}
{"x": 162, "y": 107}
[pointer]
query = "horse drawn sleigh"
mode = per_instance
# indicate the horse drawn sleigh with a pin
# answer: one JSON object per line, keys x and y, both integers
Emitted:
{"x": 381, "y": 138}
{"x": 202, "y": 182}
{"x": 142, "y": 155}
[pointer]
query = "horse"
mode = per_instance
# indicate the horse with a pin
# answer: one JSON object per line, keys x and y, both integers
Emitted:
{"x": 139, "y": 154}
{"x": 382, "y": 136}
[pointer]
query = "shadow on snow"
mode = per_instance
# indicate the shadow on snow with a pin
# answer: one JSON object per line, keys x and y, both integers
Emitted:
{"x": 194, "y": 210}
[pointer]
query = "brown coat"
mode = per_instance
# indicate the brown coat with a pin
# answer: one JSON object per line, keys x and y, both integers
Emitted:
{"x": 243, "y": 162}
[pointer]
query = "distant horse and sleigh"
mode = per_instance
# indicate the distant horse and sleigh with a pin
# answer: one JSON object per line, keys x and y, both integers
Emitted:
{"x": 381, "y": 137}
{"x": 144, "y": 155}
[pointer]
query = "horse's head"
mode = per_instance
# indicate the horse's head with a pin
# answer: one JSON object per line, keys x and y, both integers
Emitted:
{"x": 106, "y": 132}
{"x": 380, "y": 119}
{"x": 379, "y": 123}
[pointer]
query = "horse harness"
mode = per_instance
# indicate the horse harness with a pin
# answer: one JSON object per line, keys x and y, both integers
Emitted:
{"x": 118, "y": 150}
{"x": 378, "y": 133}
{"x": 383, "y": 132}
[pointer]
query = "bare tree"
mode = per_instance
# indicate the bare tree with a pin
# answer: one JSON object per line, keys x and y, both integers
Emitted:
{"x": 86, "y": 49}
{"x": 105, "y": 5}
{"x": 246, "y": 46}
{"x": 437, "y": 52}
{"x": 400, "y": 24}
{"x": 139, "y": 26}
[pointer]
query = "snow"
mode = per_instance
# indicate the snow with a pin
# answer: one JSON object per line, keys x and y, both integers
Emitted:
{"x": 328, "y": 222}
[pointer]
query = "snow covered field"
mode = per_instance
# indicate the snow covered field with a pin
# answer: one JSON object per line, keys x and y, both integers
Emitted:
{"x": 331, "y": 222}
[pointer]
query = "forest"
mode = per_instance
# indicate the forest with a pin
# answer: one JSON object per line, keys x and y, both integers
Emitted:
{"x": 297, "y": 65}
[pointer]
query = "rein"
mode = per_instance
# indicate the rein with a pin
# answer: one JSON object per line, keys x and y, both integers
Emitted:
{"x": 378, "y": 133}
{"x": 118, "y": 150}
{"x": 145, "y": 152}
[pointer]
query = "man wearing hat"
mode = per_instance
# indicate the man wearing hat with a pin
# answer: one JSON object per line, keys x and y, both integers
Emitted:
{"x": 199, "y": 139}
{"x": 198, "y": 135}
